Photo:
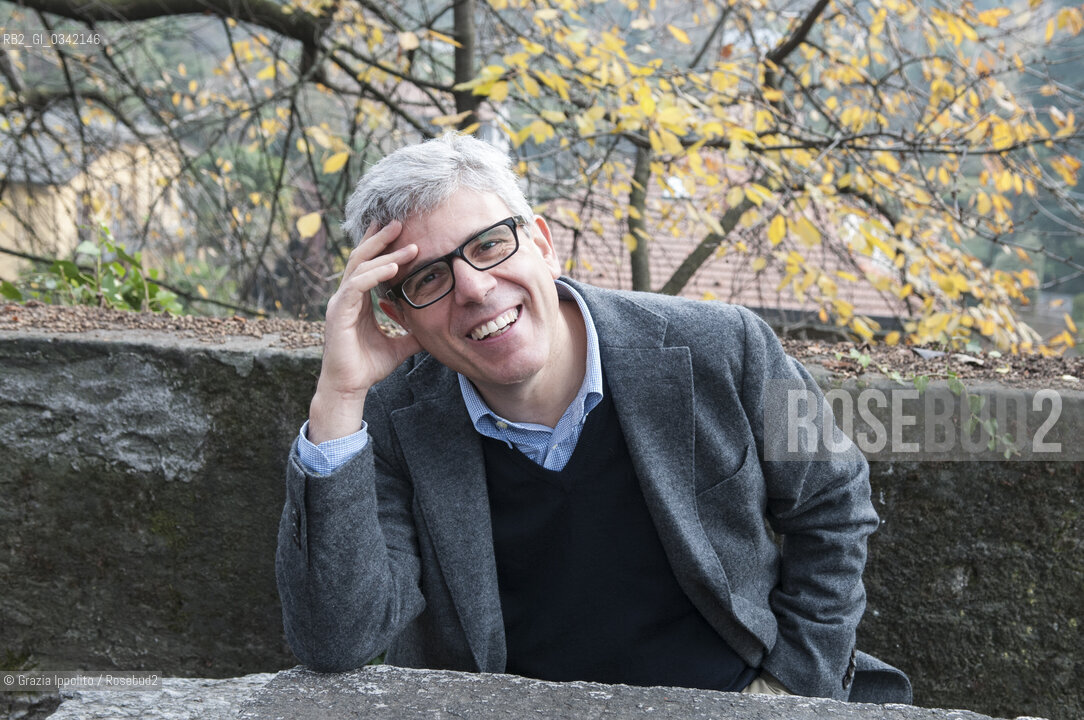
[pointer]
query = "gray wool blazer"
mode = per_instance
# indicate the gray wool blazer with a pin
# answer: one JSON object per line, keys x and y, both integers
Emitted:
{"x": 393, "y": 551}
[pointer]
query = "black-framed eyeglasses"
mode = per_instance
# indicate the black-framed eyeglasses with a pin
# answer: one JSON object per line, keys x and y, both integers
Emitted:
{"x": 482, "y": 251}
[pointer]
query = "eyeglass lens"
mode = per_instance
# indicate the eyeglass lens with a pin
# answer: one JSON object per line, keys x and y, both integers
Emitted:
{"x": 481, "y": 252}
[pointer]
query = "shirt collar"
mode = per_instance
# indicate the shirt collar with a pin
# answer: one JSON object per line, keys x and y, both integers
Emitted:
{"x": 590, "y": 390}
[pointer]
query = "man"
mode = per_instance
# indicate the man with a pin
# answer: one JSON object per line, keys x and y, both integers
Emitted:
{"x": 551, "y": 479}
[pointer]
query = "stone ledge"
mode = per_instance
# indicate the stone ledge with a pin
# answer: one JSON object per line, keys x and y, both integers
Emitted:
{"x": 391, "y": 693}
{"x": 179, "y": 699}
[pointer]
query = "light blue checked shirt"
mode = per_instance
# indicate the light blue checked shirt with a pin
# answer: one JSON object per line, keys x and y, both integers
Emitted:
{"x": 549, "y": 447}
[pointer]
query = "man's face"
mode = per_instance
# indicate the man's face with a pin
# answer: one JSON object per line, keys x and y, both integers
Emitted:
{"x": 499, "y": 327}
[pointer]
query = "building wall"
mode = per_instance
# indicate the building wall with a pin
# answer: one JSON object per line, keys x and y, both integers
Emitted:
{"x": 121, "y": 189}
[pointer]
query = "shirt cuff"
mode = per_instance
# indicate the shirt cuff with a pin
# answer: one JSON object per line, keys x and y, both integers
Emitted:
{"x": 325, "y": 458}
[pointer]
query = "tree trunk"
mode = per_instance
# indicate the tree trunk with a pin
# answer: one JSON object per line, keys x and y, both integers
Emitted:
{"x": 639, "y": 259}
{"x": 465, "y": 100}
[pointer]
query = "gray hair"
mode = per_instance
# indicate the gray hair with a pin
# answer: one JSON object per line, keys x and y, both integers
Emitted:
{"x": 416, "y": 179}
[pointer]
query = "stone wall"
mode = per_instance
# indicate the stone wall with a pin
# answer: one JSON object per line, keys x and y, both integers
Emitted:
{"x": 142, "y": 483}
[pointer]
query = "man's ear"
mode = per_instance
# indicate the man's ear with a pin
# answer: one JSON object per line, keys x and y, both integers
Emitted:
{"x": 392, "y": 310}
{"x": 543, "y": 240}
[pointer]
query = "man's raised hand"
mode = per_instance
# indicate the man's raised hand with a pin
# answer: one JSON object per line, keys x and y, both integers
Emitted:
{"x": 357, "y": 354}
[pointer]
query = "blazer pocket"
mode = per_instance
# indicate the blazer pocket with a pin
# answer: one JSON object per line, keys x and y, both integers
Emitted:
{"x": 748, "y": 461}
{"x": 732, "y": 514}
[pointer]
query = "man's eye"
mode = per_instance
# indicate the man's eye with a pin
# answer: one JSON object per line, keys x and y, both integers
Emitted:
{"x": 490, "y": 246}
{"x": 426, "y": 278}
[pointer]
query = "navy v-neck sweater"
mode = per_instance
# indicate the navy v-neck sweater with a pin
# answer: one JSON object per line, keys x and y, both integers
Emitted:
{"x": 586, "y": 590}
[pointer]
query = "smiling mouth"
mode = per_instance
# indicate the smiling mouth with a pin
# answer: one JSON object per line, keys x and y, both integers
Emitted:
{"x": 497, "y": 326}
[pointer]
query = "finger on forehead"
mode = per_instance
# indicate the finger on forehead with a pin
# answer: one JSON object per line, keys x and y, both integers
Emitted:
{"x": 398, "y": 257}
{"x": 373, "y": 244}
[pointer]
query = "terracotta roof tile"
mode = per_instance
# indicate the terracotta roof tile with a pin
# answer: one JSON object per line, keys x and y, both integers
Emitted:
{"x": 604, "y": 261}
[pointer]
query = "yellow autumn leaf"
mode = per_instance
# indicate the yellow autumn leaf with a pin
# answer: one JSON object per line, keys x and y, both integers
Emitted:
{"x": 320, "y": 136}
{"x": 859, "y": 326}
{"x": 991, "y": 18}
{"x": 630, "y": 241}
{"x": 889, "y": 162}
{"x": 806, "y": 232}
{"x": 737, "y": 150}
{"x": 408, "y": 41}
{"x": 672, "y": 115}
{"x": 540, "y": 131}
{"x": 202, "y": 291}
{"x": 443, "y": 38}
{"x": 777, "y": 229}
{"x": 670, "y": 142}
{"x": 678, "y": 34}
{"x": 445, "y": 120}
{"x": 892, "y": 338}
{"x": 530, "y": 86}
{"x": 1069, "y": 323}
{"x": 267, "y": 73}
{"x": 499, "y": 91}
{"x": 757, "y": 193}
{"x": 759, "y": 264}
{"x": 531, "y": 46}
{"x": 309, "y": 225}
{"x": 335, "y": 163}
{"x": 734, "y": 196}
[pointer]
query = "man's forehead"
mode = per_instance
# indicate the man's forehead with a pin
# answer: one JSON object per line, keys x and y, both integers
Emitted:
{"x": 464, "y": 214}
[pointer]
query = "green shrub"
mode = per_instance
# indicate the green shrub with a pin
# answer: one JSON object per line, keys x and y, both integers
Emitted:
{"x": 116, "y": 279}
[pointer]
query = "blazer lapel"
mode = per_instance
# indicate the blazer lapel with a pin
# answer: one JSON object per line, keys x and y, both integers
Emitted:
{"x": 652, "y": 388}
{"x": 444, "y": 456}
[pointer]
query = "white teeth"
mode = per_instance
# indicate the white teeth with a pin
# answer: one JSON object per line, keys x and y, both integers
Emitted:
{"x": 493, "y": 326}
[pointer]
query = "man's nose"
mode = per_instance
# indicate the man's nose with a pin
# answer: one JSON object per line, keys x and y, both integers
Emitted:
{"x": 471, "y": 286}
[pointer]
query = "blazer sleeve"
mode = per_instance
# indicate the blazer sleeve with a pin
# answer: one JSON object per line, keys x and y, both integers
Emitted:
{"x": 347, "y": 561}
{"x": 819, "y": 505}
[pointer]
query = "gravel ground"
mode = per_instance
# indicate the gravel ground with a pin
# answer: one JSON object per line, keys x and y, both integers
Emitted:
{"x": 62, "y": 319}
